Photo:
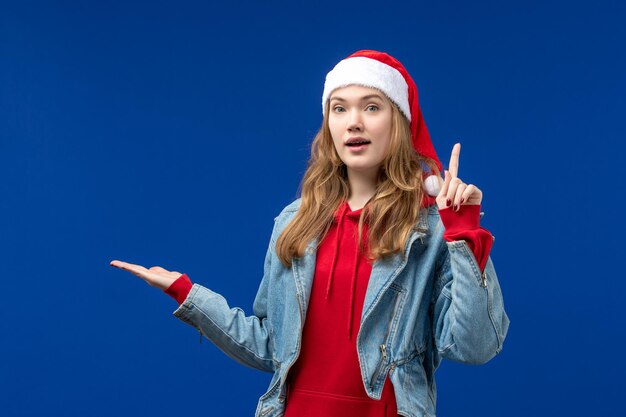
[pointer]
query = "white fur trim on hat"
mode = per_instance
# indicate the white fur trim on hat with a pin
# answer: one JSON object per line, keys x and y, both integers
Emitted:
{"x": 369, "y": 73}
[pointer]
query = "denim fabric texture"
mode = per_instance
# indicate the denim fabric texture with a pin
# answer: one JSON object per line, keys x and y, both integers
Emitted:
{"x": 428, "y": 303}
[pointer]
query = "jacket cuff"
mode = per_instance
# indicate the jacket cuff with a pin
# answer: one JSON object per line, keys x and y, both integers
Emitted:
{"x": 179, "y": 289}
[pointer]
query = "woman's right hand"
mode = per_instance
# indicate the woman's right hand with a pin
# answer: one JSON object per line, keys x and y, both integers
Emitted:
{"x": 156, "y": 276}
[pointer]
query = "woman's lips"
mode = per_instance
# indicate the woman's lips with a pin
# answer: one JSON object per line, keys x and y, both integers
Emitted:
{"x": 357, "y": 148}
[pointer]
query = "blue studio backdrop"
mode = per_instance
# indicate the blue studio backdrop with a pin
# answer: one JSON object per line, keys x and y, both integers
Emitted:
{"x": 172, "y": 133}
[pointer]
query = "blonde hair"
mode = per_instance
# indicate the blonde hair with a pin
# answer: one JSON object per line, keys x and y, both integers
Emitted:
{"x": 391, "y": 213}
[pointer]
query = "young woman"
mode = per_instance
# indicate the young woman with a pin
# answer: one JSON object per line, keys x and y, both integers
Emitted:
{"x": 373, "y": 276}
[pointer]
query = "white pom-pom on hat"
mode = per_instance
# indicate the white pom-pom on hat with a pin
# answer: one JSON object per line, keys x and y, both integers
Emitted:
{"x": 431, "y": 185}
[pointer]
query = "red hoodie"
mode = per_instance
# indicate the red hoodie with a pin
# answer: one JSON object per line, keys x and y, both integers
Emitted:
{"x": 326, "y": 379}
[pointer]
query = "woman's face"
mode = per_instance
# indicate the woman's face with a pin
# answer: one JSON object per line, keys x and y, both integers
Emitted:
{"x": 359, "y": 119}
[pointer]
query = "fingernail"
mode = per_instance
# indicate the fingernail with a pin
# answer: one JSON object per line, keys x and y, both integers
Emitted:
{"x": 448, "y": 202}
{"x": 462, "y": 200}
{"x": 456, "y": 207}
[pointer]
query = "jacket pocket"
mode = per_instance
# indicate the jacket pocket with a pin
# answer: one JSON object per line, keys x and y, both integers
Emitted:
{"x": 384, "y": 330}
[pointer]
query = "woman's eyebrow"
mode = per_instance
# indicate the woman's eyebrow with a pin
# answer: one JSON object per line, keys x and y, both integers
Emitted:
{"x": 364, "y": 98}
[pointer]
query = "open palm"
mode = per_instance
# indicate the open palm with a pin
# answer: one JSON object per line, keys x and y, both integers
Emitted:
{"x": 154, "y": 276}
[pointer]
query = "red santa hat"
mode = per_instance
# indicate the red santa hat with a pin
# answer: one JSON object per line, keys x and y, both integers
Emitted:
{"x": 382, "y": 71}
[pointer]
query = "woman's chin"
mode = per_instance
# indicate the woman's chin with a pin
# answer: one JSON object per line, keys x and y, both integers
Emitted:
{"x": 362, "y": 168}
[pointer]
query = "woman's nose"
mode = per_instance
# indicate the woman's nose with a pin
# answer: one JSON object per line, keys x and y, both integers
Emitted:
{"x": 356, "y": 121}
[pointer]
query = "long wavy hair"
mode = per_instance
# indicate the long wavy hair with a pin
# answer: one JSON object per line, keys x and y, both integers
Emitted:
{"x": 392, "y": 212}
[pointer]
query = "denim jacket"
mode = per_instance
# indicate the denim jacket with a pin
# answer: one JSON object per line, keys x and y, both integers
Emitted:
{"x": 428, "y": 303}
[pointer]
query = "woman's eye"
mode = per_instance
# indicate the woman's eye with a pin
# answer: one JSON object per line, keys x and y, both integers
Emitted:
{"x": 338, "y": 109}
{"x": 372, "y": 107}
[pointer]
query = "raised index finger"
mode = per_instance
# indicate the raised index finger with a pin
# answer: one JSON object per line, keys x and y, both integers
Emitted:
{"x": 454, "y": 160}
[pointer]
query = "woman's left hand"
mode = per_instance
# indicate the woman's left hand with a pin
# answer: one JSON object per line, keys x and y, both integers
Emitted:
{"x": 156, "y": 276}
{"x": 454, "y": 192}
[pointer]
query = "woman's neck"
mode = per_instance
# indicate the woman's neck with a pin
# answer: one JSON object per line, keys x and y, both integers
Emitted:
{"x": 362, "y": 188}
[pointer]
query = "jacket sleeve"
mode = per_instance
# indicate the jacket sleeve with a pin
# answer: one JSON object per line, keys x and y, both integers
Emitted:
{"x": 247, "y": 339}
{"x": 469, "y": 321}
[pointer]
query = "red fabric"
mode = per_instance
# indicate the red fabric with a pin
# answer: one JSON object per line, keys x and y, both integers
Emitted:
{"x": 179, "y": 289}
{"x": 465, "y": 225}
{"x": 326, "y": 379}
{"x": 428, "y": 200}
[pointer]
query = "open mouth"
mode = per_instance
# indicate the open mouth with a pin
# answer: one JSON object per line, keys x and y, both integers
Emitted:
{"x": 358, "y": 143}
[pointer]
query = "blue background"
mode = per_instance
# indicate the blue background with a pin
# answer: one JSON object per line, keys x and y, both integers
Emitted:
{"x": 172, "y": 133}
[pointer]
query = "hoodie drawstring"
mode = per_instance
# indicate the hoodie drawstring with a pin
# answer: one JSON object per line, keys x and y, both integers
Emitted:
{"x": 352, "y": 291}
{"x": 337, "y": 238}
{"x": 340, "y": 218}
